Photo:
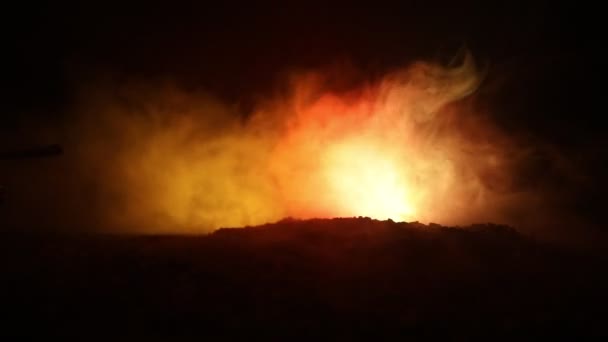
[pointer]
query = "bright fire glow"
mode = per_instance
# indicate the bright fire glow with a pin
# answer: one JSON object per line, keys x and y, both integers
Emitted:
{"x": 365, "y": 181}
{"x": 402, "y": 148}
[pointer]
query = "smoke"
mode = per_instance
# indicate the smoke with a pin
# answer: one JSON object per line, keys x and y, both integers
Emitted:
{"x": 162, "y": 159}
{"x": 412, "y": 145}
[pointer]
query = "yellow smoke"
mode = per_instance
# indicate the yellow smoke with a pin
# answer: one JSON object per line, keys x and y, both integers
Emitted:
{"x": 409, "y": 147}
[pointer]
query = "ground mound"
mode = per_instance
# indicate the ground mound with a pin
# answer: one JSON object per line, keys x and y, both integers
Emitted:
{"x": 346, "y": 278}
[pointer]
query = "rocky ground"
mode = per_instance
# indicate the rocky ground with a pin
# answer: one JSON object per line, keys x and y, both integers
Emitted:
{"x": 345, "y": 279}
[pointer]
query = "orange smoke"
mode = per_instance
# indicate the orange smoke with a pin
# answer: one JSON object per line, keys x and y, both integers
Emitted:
{"x": 393, "y": 150}
{"x": 406, "y": 148}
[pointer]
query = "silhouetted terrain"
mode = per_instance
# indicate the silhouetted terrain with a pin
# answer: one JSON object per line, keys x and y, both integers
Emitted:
{"x": 336, "y": 279}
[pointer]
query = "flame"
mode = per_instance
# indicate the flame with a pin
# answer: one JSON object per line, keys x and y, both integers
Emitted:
{"x": 404, "y": 148}
{"x": 379, "y": 153}
{"x": 366, "y": 181}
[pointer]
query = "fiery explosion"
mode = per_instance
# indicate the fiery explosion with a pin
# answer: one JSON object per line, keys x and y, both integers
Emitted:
{"x": 373, "y": 154}
{"x": 408, "y": 147}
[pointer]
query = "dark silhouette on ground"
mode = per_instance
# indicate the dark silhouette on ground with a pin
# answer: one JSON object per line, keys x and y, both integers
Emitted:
{"x": 28, "y": 153}
{"x": 34, "y": 152}
{"x": 344, "y": 279}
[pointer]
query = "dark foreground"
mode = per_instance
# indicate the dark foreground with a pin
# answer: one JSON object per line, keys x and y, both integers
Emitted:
{"x": 339, "y": 279}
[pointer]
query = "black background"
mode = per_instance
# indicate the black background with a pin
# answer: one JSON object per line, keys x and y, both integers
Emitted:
{"x": 542, "y": 57}
{"x": 544, "y": 82}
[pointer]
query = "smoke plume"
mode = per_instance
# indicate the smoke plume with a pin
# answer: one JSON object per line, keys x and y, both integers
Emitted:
{"x": 412, "y": 145}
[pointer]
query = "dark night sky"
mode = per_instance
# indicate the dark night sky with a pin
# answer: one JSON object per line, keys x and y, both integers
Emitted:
{"x": 541, "y": 55}
{"x": 235, "y": 48}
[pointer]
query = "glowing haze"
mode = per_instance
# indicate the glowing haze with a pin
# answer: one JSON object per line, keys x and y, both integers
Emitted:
{"x": 406, "y": 147}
